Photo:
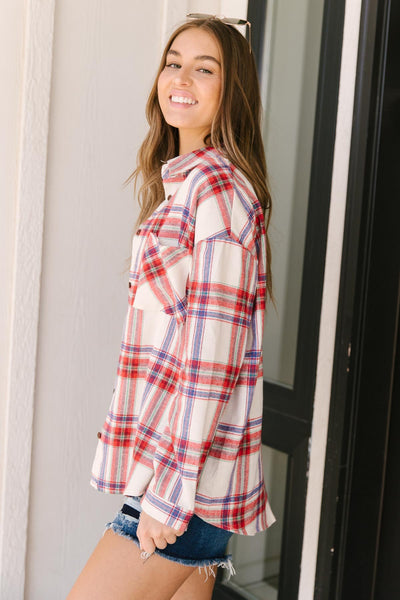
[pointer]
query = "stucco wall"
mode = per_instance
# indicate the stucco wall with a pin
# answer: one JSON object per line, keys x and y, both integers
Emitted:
{"x": 102, "y": 71}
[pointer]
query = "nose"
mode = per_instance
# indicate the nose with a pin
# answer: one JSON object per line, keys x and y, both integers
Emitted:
{"x": 182, "y": 76}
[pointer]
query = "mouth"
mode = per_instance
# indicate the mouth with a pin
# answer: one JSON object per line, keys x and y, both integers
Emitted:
{"x": 182, "y": 100}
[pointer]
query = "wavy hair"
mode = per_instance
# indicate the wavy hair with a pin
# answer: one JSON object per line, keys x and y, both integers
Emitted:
{"x": 235, "y": 130}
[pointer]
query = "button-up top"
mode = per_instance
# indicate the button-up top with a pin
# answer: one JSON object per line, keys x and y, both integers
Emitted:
{"x": 184, "y": 425}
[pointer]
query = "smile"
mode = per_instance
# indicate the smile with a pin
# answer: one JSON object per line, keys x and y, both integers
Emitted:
{"x": 183, "y": 100}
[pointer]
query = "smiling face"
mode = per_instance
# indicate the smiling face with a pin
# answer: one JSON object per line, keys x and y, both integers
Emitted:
{"x": 189, "y": 86}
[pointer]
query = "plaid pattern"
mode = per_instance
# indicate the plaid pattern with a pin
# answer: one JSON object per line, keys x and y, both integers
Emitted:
{"x": 184, "y": 425}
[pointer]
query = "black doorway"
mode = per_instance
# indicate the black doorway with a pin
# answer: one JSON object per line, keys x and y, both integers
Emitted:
{"x": 359, "y": 547}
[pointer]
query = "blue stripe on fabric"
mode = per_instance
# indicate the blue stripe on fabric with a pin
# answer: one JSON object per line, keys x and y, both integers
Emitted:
{"x": 231, "y": 498}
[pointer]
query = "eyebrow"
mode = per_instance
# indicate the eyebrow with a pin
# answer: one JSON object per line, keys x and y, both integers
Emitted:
{"x": 201, "y": 57}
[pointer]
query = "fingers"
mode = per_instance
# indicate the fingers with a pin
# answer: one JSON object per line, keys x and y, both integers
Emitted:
{"x": 147, "y": 544}
{"x": 152, "y": 534}
{"x": 170, "y": 538}
{"x": 160, "y": 543}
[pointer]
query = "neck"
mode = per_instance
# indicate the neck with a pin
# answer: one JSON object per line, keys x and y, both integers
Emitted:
{"x": 189, "y": 141}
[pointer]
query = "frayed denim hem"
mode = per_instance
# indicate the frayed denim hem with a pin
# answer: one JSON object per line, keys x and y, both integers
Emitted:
{"x": 206, "y": 564}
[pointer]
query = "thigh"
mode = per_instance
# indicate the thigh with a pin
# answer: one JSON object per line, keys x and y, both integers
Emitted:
{"x": 115, "y": 571}
{"x": 197, "y": 587}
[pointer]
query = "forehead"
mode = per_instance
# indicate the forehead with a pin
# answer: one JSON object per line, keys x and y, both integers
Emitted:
{"x": 196, "y": 42}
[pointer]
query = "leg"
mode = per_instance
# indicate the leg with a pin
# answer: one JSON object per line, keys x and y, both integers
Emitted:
{"x": 115, "y": 571}
{"x": 195, "y": 587}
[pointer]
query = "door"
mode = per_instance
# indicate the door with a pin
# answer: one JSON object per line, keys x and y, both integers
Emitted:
{"x": 298, "y": 50}
{"x": 359, "y": 546}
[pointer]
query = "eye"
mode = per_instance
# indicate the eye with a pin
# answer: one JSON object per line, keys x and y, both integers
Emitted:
{"x": 204, "y": 70}
{"x": 173, "y": 65}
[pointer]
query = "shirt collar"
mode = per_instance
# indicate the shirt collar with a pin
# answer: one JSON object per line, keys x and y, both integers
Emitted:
{"x": 182, "y": 164}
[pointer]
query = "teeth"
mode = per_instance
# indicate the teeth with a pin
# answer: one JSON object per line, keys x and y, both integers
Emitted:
{"x": 182, "y": 100}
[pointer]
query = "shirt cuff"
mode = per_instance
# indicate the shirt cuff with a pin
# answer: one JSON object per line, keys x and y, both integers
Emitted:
{"x": 165, "y": 512}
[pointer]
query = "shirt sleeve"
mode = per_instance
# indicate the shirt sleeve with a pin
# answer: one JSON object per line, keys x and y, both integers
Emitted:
{"x": 220, "y": 303}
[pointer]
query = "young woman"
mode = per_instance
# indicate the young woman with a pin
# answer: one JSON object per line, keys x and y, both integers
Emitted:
{"x": 182, "y": 438}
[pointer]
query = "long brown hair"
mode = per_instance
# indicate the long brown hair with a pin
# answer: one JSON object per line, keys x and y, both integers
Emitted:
{"x": 235, "y": 131}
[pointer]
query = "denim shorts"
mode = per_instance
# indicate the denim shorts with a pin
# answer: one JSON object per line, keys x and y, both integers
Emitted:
{"x": 202, "y": 545}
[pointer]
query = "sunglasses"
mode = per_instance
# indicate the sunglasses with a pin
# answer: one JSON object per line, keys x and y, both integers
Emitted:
{"x": 228, "y": 20}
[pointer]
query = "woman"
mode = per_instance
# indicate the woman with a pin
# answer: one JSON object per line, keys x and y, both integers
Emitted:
{"x": 182, "y": 437}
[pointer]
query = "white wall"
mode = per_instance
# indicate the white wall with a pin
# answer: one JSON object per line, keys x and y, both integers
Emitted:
{"x": 11, "y": 61}
{"x": 103, "y": 66}
{"x": 29, "y": 53}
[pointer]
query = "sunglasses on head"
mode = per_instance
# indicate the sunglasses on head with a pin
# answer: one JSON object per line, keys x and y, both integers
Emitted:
{"x": 228, "y": 20}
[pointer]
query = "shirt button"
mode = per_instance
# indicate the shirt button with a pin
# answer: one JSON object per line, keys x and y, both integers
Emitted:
{"x": 99, "y": 434}
{"x": 130, "y": 285}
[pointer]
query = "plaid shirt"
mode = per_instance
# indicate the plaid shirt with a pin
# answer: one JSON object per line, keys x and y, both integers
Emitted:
{"x": 184, "y": 425}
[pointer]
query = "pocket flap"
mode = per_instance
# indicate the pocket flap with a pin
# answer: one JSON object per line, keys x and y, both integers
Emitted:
{"x": 162, "y": 277}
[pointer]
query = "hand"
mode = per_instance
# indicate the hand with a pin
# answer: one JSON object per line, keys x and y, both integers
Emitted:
{"x": 152, "y": 534}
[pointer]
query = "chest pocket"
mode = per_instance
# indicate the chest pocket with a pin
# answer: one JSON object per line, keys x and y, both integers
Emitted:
{"x": 161, "y": 277}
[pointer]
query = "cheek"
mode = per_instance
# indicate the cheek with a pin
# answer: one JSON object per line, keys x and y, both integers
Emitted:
{"x": 215, "y": 93}
{"x": 215, "y": 98}
{"x": 162, "y": 100}
{"x": 161, "y": 84}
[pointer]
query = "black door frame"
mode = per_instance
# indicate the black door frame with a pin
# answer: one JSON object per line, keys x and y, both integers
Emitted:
{"x": 288, "y": 410}
{"x": 367, "y": 326}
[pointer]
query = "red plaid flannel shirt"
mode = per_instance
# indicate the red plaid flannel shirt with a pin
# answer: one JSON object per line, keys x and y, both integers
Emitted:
{"x": 184, "y": 425}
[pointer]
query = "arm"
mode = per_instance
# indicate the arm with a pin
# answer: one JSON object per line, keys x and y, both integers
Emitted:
{"x": 221, "y": 296}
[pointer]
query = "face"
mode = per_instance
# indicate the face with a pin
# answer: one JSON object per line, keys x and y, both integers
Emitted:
{"x": 189, "y": 86}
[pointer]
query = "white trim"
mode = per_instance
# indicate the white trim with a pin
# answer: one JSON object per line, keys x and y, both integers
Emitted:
{"x": 330, "y": 297}
{"x": 270, "y": 23}
{"x": 234, "y": 8}
{"x": 174, "y": 13}
{"x": 30, "y": 194}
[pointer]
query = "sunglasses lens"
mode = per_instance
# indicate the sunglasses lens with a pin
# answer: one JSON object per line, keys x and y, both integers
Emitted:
{"x": 229, "y": 20}
{"x": 234, "y": 21}
{"x": 198, "y": 16}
